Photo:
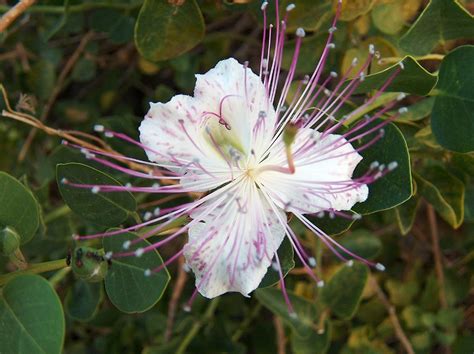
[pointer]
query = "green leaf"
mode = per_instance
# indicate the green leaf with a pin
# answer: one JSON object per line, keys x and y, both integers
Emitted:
{"x": 343, "y": 291}
{"x": 333, "y": 225}
{"x": 388, "y": 16}
{"x": 107, "y": 209}
{"x": 406, "y": 214}
{"x": 413, "y": 78}
{"x": 315, "y": 343}
{"x": 351, "y": 9}
{"x": 126, "y": 284}
{"x": 164, "y": 31}
{"x": 308, "y": 14}
{"x": 306, "y": 313}
{"x": 31, "y": 317}
{"x": 417, "y": 111}
{"x": 444, "y": 191}
{"x": 440, "y": 21}
{"x": 287, "y": 262}
{"x": 310, "y": 51}
{"x": 19, "y": 209}
{"x": 452, "y": 120}
{"x": 83, "y": 300}
{"x": 394, "y": 188}
{"x": 363, "y": 243}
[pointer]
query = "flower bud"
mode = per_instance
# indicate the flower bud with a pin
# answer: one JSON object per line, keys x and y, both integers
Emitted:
{"x": 89, "y": 264}
{"x": 9, "y": 241}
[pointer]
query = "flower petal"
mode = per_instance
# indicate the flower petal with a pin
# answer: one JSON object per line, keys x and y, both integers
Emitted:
{"x": 323, "y": 174}
{"x": 238, "y": 95}
{"x": 231, "y": 248}
{"x": 172, "y": 133}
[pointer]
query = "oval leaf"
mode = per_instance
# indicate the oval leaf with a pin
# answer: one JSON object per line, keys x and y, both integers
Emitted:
{"x": 445, "y": 192}
{"x": 343, "y": 292}
{"x": 32, "y": 320}
{"x": 287, "y": 262}
{"x": 83, "y": 300}
{"x": 126, "y": 284}
{"x": 164, "y": 30}
{"x": 363, "y": 243}
{"x": 107, "y": 209}
{"x": 306, "y": 313}
{"x": 452, "y": 120}
{"x": 440, "y": 21}
{"x": 412, "y": 79}
{"x": 394, "y": 188}
{"x": 18, "y": 208}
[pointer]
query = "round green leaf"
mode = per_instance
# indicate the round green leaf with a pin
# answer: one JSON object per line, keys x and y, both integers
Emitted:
{"x": 83, "y": 300}
{"x": 413, "y": 78}
{"x": 18, "y": 207}
{"x": 287, "y": 262}
{"x": 395, "y": 187}
{"x": 107, "y": 209}
{"x": 315, "y": 343}
{"x": 388, "y": 17}
{"x": 164, "y": 30}
{"x": 452, "y": 119}
{"x": 406, "y": 214}
{"x": 126, "y": 284}
{"x": 351, "y": 9}
{"x": 306, "y": 313}
{"x": 444, "y": 191}
{"x": 363, "y": 243}
{"x": 343, "y": 292}
{"x": 333, "y": 225}
{"x": 441, "y": 20}
{"x": 32, "y": 319}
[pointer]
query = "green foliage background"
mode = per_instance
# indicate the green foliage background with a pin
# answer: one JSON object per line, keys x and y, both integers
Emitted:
{"x": 68, "y": 65}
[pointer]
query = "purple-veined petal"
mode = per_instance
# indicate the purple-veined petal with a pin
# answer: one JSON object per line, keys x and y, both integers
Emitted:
{"x": 324, "y": 165}
{"x": 231, "y": 249}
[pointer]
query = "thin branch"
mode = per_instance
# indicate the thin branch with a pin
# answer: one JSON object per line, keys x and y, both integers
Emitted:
{"x": 280, "y": 335}
{"x": 437, "y": 255}
{"x": 57, "y": 89}
{"x": 13, "y": 13}
{"x": 393, "y": 317}
{"x": 173, "y": 305}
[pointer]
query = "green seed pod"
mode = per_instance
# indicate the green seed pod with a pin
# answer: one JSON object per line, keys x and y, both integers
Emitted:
{"x": 89, "y": 264}
{"x": 9, "y": 241}
{"x": 289, "y": 134}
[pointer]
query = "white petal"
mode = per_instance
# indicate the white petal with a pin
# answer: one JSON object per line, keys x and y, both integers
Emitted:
{"x": 184, "y": 149}
{"x": 231, "y": 249}
{"x": 242, "y": 97}
{"x": 318, "y": 181}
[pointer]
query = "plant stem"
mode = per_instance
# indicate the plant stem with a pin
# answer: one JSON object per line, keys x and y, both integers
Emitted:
{"x": 56, "y": 213}
{"x": 246, "y": 323}
{"x": 393, "y": 317}
{"x": 50, "y": 9}
{"x": 437, "y": 255}
{"x": 35, "y": 269}
{"x": 13, "y": 12}
{"x": 58, "y": 276}
{"x": 197, "y": 326}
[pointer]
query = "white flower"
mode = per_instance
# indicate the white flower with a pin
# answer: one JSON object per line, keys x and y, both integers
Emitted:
{"x": 229, "y": 128}
{"x": 256, "y": 155}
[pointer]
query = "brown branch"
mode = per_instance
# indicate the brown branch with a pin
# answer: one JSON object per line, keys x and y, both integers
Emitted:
{"x": 393, "y": 317}
{"x": 280, "y": 335}
{"x": 12, "y": 14}
{"x": 173, "y": 305}
{"x": 57, "y": 89}
{"x": 437, "y": 254}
